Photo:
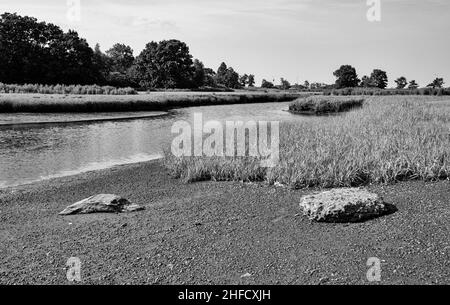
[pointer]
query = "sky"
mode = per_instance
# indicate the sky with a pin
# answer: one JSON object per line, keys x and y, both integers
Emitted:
{"x": 295, "y": 39}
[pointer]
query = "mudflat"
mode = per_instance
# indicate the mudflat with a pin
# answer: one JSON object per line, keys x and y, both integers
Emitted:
{"x": 216, "y": 233}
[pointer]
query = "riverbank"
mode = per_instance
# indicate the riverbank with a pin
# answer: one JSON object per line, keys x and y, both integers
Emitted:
{"x": 214, "y": 233}
{"x": 154, "y": 101}
{"x": 29, "y": 120}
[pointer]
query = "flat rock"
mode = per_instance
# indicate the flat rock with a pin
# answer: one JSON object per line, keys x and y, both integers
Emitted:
{"x": 345, "y": 205}
{"x": 103, "y": 203}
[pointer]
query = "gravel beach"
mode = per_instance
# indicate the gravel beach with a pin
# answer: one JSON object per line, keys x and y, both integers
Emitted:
{"x": 216, "y": 233}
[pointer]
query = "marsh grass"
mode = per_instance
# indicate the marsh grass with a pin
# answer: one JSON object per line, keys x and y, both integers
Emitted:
{"x": 156, "y": 101}
{"x": 390, "y": 139}
{"x": 65, "y": 89}
{"x": 324, "y": 105}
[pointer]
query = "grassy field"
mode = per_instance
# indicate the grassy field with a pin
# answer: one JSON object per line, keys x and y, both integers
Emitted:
{"x": 154, "y": 101}
{"x": 392, "y": 138}
{"x": 320, "y": 105}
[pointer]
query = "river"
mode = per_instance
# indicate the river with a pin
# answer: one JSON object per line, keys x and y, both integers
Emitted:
{"x": 30, "y": 153}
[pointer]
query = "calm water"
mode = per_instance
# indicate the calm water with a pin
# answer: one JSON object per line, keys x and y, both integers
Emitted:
{"x": 37, "y": 152}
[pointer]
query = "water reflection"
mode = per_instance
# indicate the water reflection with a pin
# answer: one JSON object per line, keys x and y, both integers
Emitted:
{"x": 33, "y": 153}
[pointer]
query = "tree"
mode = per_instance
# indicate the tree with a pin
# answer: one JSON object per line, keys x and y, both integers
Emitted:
{"x": 232, "y": 79}
{"x": 285, "y": 85}
{"x": 367, "y": 82}
{"x": 306, "y": 84}
{"x": 221, "y": 73}
{"x": 39, "y": 52}
{"x": 346, "y": 77}
{"x": 437, "y": 83}
{"x": 251, "y": 80}
{"x": 121, "y": 56}
{"x": 226, "y": 76}
{"x": 210, "y": 77}
{"x": 167, "y": 64}
{"x": 102, "y": 61}
{"x": 243, "y": 80}
{"x": 379, "y": 78}
{"x": 401, "y": 82}
{"x": 266, "y": 84}
{"x": 413, "y": 85}
{"x": 199, "y": 75}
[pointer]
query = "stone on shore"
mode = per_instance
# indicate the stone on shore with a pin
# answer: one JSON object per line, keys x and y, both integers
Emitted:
{"x": 345, "y": 205}
{"x": 103, "y": 203}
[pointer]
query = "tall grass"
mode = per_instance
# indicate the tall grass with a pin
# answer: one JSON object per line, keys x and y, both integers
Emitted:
{"x": 65, "y": 89}
{"x": 390, "y": 139}
{"x": 321, "y": 105}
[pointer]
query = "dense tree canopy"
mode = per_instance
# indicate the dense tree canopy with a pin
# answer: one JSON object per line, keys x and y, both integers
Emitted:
{"x": 39, "y": 52}
{"x": 346, "y": 77}
{"x": 121, "y": 57}
{"x": 401, "y": 82}
{"x": 413, "y": 85}
{"x": 437, "y": 83}
{"x": 167, "y": 64}
{"x": 379, "y": 78}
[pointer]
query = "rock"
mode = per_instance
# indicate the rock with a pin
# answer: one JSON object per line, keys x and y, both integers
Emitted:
{"x": 345, "y": 205}
{"x": 103, "y": 203}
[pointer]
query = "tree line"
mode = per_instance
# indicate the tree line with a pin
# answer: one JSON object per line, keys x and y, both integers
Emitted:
{"x": 346, "y": 77}
{"x": 40, "y": 52}
{"x": 33, "y": 52}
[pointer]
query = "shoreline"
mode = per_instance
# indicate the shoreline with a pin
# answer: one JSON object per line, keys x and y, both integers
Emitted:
{"x": 82, "y": 121}
{"x": 155, "y": 101}
{"x": 213, "y": 233}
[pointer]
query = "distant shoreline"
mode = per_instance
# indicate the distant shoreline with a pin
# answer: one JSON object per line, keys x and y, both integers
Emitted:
{"x": 155, "y": 101}
{"x": 106, "y": 119}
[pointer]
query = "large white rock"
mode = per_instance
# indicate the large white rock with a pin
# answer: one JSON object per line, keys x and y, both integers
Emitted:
{"x": 345, "y": 205}
{"x": 103, "y": 203}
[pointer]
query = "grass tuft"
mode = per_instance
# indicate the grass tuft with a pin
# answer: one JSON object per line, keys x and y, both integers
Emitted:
{"x": 321, "y": 105}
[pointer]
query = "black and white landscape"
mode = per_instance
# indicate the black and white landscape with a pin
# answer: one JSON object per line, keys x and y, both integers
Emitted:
{"x": 224, "y": 143}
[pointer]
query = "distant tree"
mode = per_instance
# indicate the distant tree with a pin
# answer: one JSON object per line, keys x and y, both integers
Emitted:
{"x": 210, "y": 77}
{"x": 346, "y": 77}
{"x": 39, "y": 52}
{"x": 251, "y": 80}
{"x": 243, "y": 80}
{"x": 401, "y": 82}
{"x": 266, "y": 84}
{"x": 121, "y": 56}
{"x": 102, "y": 62}
{"x": 367, "y": 82}
{"x": 221, "y": 73}
{"x": 167, "y": 64}
{"x": 285, "y": 85}
{"x": 226, "y": 76}
{"x": 306, "y": 84}
{"x": 413, "y": 85}
{"x": 232, "y": 79}
{"x": 379, "y": 78}
{"x": 199, "y": 75}
{"x": 437, "y": 83}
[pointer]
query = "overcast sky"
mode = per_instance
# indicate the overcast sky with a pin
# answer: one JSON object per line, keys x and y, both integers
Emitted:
{"x": 294, "y": 39}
